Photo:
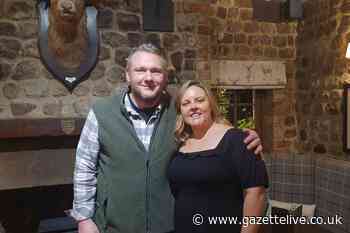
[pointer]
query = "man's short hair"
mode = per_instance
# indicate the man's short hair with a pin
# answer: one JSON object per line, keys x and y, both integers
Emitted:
{"x": 149, "y": 48}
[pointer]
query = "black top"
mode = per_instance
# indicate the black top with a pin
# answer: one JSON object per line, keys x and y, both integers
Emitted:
{"x": 211, "y": 183}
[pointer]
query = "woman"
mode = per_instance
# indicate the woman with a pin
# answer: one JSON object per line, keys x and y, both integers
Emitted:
{"x": 212, "y": 174}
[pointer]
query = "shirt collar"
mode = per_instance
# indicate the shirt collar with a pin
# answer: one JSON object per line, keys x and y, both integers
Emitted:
{"x": 131, "y": 109}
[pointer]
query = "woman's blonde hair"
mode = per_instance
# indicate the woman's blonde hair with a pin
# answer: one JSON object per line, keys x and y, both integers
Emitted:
{"x": 182, "y": 130}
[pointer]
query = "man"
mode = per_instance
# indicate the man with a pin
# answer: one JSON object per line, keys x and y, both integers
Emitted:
{"x": 120, "y": 182}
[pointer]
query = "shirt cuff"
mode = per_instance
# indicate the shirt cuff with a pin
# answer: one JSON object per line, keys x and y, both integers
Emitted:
{"x": 80, "y": 215}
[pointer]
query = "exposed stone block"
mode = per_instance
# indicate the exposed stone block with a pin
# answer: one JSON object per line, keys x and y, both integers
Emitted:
{"x": 19, "y": 9}
{"x": 194, "y": 7}
{"x": 344, "y": 25}
{"x": 10, "y": 90}
{"x": 251, "y": 27}
{"x": 98, "y": 72}
{"x": 317, "y": 109}
{"x": 53, "y": 109}
{"x": 265, "y": 40}
{"x": 105, "y": 18}
{"x": 81, "y": 90}
{"x": 257, "y": 51}
{"x": 116, "y": 74}
{"x": 58, "y": 90}
{"x": 128, "y": 22}
{"x": 186, "y": 22}
{"x": 221, "y": 12}
{"x": 240, "y": 38}
{"x": 33, "y": 90}
{"x": 10, "y": 48}
{"x": 243, "y": 3}
{"x": 284, "y": 28}
{"x": 289, "y": 121}
{"x": 114, "y": 39}
{"x": 133, "y": 6}
{"x": 5, "y": 70}
{"x": 243, "y": 50}
{"x": 268, "y": 28}
{"x": 270, "y": 52}
{"x": 234, "y": 26}
{"x": 227, "y": 38}
{"x": 135, "y": 39}
{"x": 176, "y": 60}
{"x": 245, "y": 14}
{"x": 27, "y": 69}
{"x": 346, "y": 7}
{"x": 291, "y": 41}
{"x": 171, "y": 41}
{"x": 101, "y": 89}
{"x": 8, "y": 29}
{"x": 233, "y": 13}
{"x": 190, "y": 53}
{"x": 290, "y": 133}
{"x": 20, "y": 109}
{"x": 287, "y": 53}
{"x": 224, "y": 51}
{"x": 204, "y": 30}
{"x": 280, "y": 41}
{"x": 121, "y": 54}
{"x": 82, "y": 107}
{"x": 189, "y": 75}
{"x": 153, "y": 38}
{"x": 28, "y": 30}
{"x": 105, "y": 53}
{"x": 30, "y": 48}
{"x": 253, "y": 40}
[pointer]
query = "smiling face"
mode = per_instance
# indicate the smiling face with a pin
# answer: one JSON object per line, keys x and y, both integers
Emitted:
{"x": 195, "y": 107}
{"x": 147, "y": 78}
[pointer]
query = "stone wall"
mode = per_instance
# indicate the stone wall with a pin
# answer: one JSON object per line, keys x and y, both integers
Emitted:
{"x": 236, "y": 35}
{"x": 27, "y": 90}
{"x": 204, "y": 30}
{"x": 308, "y": 110}
{"x": 321, "y": 71}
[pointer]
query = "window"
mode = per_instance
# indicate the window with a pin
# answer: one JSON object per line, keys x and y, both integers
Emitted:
{"x": 236, "y": 105}
{"x": 248, "y": 108}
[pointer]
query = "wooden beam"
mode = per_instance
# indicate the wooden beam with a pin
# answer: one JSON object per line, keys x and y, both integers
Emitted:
{"x": 27, "y": 128}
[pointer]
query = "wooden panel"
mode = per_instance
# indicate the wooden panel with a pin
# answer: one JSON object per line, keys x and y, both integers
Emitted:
{"x": 263, "y": 117}
{"x": 22, "y": 128}
{"x": 36, "y": 168}
{"x": 38, "y": 143}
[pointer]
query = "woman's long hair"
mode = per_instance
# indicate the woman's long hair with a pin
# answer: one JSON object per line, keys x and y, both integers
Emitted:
{"x": 184, "y": 131}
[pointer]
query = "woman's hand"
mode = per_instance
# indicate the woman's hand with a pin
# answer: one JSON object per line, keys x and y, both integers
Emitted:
{"x": 253, "y": 141}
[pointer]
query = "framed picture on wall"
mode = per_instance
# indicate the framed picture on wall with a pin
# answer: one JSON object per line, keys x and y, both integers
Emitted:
{"x": 346, "y": 134}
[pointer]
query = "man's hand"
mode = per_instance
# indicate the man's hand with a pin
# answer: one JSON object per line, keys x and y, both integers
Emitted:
{"x": 87, "y": 226}
{"x": 253, "y": 141}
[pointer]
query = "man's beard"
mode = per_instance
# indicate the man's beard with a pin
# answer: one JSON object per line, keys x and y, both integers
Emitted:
{"x": 146, "y": 99}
